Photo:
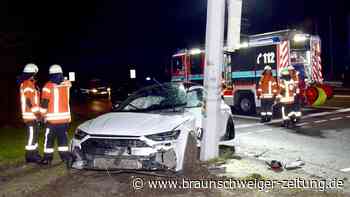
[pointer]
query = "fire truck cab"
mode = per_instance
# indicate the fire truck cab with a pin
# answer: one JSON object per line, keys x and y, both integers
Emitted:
{"x": 243, "y": 67}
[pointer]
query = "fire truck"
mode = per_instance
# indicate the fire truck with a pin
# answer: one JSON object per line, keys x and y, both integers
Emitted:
{"x": 243, "y": 67}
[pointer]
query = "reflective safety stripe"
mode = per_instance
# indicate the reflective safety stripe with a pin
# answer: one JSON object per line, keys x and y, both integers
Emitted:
{"x": 28, "y": 115}
{"x": 28, "y": 90}
{"x": 284, "y": 113}
{"x": 55, "y": 100}
{"x": 43, "y": 110}
{"x": 267, "y": 96}
{"x": 32, "y": 147}
{"x": 287, "y": 99}
{"x": 23, "y": 102}
{"x": 63, "y": 148}
{"x": 298, "y": 114}
{"x": 58, "y": 114}
{"x": 59, "y": 118}
{"x": 47, "y": 150}
{"x": 30, "y": 138}
{"x": 68, "y": 96}
{"x": 270, "y": 87}
{"x": 290, "y": 114}
{"x": 36, "y": 98}
{"x": 263, "y": 113}
{"x": 35, "y": 109}
{"x": 47, "y": 90}
{"x": 269, "y": 113}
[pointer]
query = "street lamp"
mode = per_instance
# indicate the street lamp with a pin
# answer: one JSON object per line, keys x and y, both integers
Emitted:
{"x": 132, "y": 74}
{"x": 212, "y": 78}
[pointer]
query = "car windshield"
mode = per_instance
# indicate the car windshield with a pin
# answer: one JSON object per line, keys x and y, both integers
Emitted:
{"x": 156, "y": 97}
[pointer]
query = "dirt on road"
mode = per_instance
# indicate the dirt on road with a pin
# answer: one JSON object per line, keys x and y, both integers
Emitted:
{"x": 57, "y": 181}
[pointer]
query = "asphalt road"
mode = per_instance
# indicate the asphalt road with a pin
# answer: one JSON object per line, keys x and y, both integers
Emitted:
{"x": 321, "y": 140}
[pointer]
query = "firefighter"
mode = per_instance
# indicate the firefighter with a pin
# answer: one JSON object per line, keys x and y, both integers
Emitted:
{"x": 267, "y": 92}
{"x": 297, "y": 102}
{"x": 56, "y": 111}
{"x": 287, "y": 97}
{"x": 30, "y": 96}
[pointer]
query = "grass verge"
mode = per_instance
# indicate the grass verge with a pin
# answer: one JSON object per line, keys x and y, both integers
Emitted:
{"x": 13, "y": 141}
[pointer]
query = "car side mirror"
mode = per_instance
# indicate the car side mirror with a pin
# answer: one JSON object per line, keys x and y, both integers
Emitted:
{"x": 116, "y": 105}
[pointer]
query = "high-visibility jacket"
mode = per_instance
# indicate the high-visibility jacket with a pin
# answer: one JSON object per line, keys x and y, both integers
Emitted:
{"x": 287, "y": 91}
{"x": 30, "y": 98}
{"x": 267, "y": 87}
{"x": 57, "y": 109}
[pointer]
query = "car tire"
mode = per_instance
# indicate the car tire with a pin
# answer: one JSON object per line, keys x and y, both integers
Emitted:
{"x": 246, "y": 104}
{"x": 230, "y": 130}
{"x": 191, "y": 155}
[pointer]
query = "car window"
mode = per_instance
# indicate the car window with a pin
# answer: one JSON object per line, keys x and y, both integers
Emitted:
{"x": 144, "y": 102}
{"x": 155, "y": 97}
{"x": 195, "y": 98}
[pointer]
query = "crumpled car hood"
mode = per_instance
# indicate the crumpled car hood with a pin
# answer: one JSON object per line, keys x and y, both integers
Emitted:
{"x": 133, "y": 124}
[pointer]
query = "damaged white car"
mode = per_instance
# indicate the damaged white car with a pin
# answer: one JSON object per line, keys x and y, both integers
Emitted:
{"x": 156, "y": 128}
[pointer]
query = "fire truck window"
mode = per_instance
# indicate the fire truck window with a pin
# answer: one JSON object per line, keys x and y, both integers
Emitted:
{"x": 196, "y": 65}
{"x": 299, "y": 57}
{"x": 178, "y": 66}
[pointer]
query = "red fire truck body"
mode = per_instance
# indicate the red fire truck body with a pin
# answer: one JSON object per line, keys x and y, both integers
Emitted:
{"x": 243, "y": 67}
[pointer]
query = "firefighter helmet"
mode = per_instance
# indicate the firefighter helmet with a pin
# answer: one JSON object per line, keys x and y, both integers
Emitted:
{"x": 291, "y": 68}
{"x": 267, "y": 67}
{"x": 284, "y": 71}
{"x": 55, "y": 69}
{"x": 31, "y": 68}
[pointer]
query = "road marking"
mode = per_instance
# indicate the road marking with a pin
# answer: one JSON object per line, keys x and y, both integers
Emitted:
{"x": 337, "y": 118}
{"x": 246, "y": 117}
{"x": 302, "y": 124}
{"x": 242, "y": 126}
{"x": 345, "y": 170}
{"x": 341, "y": 96}
{"x": 327, "y": 107}
{"x": 307, "y": 116}
{"x": 254, "y": 132}
{"x": 318, "y": 114}
{"x": 320, "y": 121}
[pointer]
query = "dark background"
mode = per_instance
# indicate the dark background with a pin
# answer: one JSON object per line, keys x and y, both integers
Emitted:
{"x": 106, "y": 38}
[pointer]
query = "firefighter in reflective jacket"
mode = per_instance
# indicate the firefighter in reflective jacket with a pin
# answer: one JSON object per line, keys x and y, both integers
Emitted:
{"x": 287, "y": 97}
{"x": 297, "y": 103}
{"x": 56, "y": 111}
{"x": 30, "y": 96}
{"x": 267, "y": 92}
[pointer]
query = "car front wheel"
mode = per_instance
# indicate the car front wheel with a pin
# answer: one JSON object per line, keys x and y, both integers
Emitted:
{"x": 230, "y": 130}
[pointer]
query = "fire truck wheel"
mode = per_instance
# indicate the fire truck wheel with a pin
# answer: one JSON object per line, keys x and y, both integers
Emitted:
{"x": 246, "y": 104}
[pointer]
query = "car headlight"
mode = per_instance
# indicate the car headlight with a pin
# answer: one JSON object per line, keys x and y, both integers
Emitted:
{"x": 166, "y": 136}
{"x": 79, "y": 134}
{"x": 94, "y": 90}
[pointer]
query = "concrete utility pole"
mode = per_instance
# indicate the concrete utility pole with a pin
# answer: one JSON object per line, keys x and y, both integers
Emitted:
{"x": 234, "y": 24}
{"x": 212, "y": 77}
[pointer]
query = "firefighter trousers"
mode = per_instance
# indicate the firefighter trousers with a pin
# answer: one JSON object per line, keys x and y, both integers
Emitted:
{"x": 31, "y": 147}
{"x": 297, "y": 106}
{"x": 266, "y": 107}
{"x": 52, "y": 132}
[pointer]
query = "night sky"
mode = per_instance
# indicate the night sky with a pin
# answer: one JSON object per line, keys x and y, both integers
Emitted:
{"x": 106, "y": 38}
